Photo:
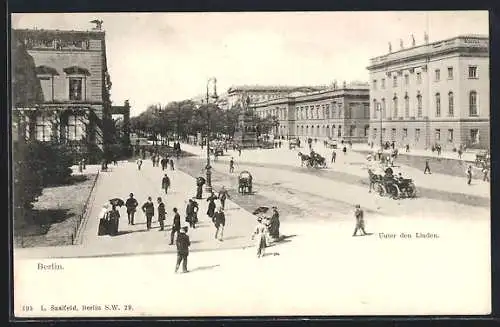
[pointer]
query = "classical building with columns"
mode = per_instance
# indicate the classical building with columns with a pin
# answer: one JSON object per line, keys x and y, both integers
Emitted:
{"x": 340, "y": 113}
{"x": 435, "y": 93}
{"x": 72, "y": 71}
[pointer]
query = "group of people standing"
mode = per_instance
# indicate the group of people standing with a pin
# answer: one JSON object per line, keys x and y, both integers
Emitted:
{"x": 266, "y": 231}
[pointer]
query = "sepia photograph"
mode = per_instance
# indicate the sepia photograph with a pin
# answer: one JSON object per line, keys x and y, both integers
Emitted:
{"x": 204, "y": 164}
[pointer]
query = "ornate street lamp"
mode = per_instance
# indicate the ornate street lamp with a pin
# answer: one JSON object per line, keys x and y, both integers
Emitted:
{"x": 208, "y": 167}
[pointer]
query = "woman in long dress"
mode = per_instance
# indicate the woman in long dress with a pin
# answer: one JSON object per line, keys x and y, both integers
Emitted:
{"x": 260, "y": 234}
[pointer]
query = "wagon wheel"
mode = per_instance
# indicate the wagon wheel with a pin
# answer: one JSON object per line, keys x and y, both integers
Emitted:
{"x": 411, "y": 190}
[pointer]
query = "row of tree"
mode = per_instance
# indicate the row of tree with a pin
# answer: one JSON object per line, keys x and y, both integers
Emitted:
{"x": 187, "y": 118}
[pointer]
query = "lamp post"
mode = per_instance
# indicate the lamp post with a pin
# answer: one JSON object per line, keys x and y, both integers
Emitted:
{"x": 208, "y": 168}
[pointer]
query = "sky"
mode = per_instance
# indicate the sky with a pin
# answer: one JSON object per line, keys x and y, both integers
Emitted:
{"x": 161, "y": 57}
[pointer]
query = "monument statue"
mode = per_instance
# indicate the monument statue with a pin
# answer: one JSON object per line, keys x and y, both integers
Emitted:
{"x": 412, "y": 40}
{"x": 390, "y": 47}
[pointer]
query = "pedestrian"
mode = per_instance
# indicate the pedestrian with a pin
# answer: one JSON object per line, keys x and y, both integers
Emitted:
{"x": 334, "y": 156}
{"x": 164, "y": 162}
{"x": 165, "y": 183}
{"x": 103, "y": 220}
{"x": 200, "y": 181}
{"x": 182, "y": 244}
{"x": 344, "y": 149}
{"x": 84, "y": 164}
{"x": 80, "y": 166}
{"x": 360, "y": 221}
{"x": 407, "y": 148}
{"x": 211, "y": 206}
{"x": 469, "y": 175}
{"x": 350, "y": 144}
{"x": 223, "y": 195}
{"x": 427, "y": 168}
{"x": 485, "y": 174}
{"x": 149, "y": 210}
{"x": 161, "y": 214}
{"x": 239, "y": 151}
{"x": 139, "y": 163}
{"x": 274, "y": 225}
{"x": 172, "y": 164}
{"x": 176, "y": 226}
{"x": 219, "y": 222}
{"x": 114, "y": 219}
{"x": 279, "y": 144}
{"x": 231, "y": 165}
{"x": 189, "y": 211}
{"x": 261, "y": 232}
{"x": 193, "y": 213}
{"x": 131, "y": 205}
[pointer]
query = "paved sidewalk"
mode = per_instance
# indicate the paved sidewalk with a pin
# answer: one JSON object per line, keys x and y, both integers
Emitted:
{"x": 124, "y": 178}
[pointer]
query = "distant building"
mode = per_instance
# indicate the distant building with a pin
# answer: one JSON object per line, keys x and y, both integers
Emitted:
{"x": 72, "y": 71}
{"x": 340, "y": 113}
{"x": 436, "y": 93}
{"x": 258, "y": 93}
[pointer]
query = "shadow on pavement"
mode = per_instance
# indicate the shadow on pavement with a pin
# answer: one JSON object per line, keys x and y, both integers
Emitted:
{"x": 204, "y": 268}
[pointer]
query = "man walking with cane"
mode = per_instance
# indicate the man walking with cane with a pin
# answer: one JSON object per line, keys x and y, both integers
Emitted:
{"x": 149, "y": 210}
{"x": 165, "y": 183}
{"x": 131, "y": 205}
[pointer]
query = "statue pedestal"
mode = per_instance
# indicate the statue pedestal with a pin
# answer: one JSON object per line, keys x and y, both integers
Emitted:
{"x": 246, "y": 133}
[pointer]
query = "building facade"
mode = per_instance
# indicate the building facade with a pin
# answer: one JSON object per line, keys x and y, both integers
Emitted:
{"x": 72, "y": 71}
{"x": 339, "y": 113}
{"x": 259, "y": 93}
{"x": 436, "y": 93}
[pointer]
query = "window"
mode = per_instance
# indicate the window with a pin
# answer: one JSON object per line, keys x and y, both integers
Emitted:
{"x": 405, "y": 133}
{"x": 438, "y": 105}
{"x": 352, "y": 130}
{"x": 366, "y": 131}
{"x": 472, "y": 71}
{"x": 374, "y": 84}
{"x": 450, "y": 135}
{"x": 419, "y": 105}
{"x": 348, "y": 111}
{"x": 419, "y": 78}
{"x": 450, "y": 72}
{"x": 339, "y": 133}
{"x": 374, "y": 133}
{"x": 417, "y": 134}
{"x": 317, "y": 112}
{"x": 383, "y": 132}
{"x": 382, "y": 83}
{"x": 394, "y": 81}
{"x": 327, "y": 111}
{"x": 75, "y": 88}
{"x": 473, "y": 103}
{"x": 437, "y": 75}
{"x": 375, "y": 109}
{"x": 366, "y": 111}
{"x": 333, "y": 109}
{"x": 307, "y": 113}
{"x": 407, "y": 106}
{"x": 450, "y": 104}
{"x": 395, "y": 106}
{"x": 43, "y": 128}
{"x": 437, "y": 134}
{"x": 407, "y": 80}
{"x": 393, "y": 134}
{"x": 474, "y": 136}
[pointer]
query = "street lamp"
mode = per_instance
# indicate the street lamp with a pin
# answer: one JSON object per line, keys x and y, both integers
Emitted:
{"x": 379, "y": 109}
{"x": 208, "y": 168}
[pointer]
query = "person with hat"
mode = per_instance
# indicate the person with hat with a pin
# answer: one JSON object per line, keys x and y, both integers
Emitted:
{"x": 176, "y": 226}
{"x": 211, "y": 205}
{"x": 131, "y": 205}
{"x": 360, "y": 221}
{"x": 219, "y": 222}
{"x": 261, "y": 232}
{"x": 165, "y": 183}
{"x": 161, "y": 214}
{"x": 149, "y": 210}
{"x": 274, "y": 224}
{"x": 223, "y": 195}
{"x": 182, "y": 244}
{"x": 103, "y": 220}
{"x": 231, "y": 165}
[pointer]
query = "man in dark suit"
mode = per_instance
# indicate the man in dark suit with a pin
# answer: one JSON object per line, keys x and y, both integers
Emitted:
{"x": 131, "y": 205}
{"x": 183, "y": 244}
{"x": 165, "y": 183}
{"x": 161, "y": 214}
{"x": 176, "y": 226}
{"x": 219, "y": 222}
{"x": 149, "y": 210}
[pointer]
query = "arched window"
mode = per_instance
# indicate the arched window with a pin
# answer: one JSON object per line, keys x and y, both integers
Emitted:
{"x": 450, "y": 104}
{"x": 419, "y": 105}
{"x": 473, "y": 103}
{"x": 438, "y": 105}
{"x": 407, "y": 105}
{"x": 395, "y": 106}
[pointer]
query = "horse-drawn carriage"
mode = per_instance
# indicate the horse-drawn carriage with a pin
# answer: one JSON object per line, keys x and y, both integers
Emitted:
{"x": 315, "y": 160}
{"x": 482, "y": 159}
{"x": 293, "y": 143}
{"x": 394, "y": 186}
{"x": 331, "y": 143}
{"x": 245, "y": 182}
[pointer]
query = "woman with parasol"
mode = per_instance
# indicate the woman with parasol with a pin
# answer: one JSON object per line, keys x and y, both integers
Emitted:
{"x": 261, "y": 232}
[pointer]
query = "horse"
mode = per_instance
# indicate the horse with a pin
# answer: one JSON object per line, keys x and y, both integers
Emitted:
{"x": 303, "y": 158}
